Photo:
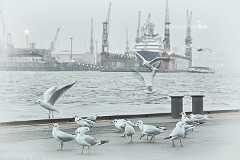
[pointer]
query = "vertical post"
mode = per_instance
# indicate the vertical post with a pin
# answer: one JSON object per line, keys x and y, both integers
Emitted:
{"x": 197, "y": 104}
{"x": 176, "y": 106}
{"x": 71, "y": 39}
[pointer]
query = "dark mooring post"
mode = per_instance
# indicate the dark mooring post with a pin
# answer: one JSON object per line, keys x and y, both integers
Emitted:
{"x": 197, "y": 104}
{"x": 176, "y": 106}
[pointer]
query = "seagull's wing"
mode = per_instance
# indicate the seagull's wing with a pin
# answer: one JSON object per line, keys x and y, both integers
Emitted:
{"x": 47, "y": 95}
{"x": 140, "y": 56}
{"x": 59, "y": 92}
{"x": 64, "y": 136}
{"x": 158, "y": 59}
{"x": 90, "y": 140}
{"x": 139, "y": 76}
{"x": 175, "y": 132}
{"x": 155, "y": 70}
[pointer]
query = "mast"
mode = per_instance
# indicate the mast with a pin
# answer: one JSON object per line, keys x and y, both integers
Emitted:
{"x": 188, "y": 38}
{"x": 127, "y": 42}
{"x": 167, "y": 46}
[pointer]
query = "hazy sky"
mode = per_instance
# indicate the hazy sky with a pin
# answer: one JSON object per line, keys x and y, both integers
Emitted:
{"x": 42, "y": 17}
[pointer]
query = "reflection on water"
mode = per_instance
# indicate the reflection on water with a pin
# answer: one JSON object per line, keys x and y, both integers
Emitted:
{"x": 111, "y": 93}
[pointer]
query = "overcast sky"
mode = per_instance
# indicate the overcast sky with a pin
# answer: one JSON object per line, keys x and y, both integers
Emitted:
{"x": 42, "y": 17}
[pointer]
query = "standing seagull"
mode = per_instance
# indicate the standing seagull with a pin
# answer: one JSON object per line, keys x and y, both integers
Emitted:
{"x": 177, "y": 133}
{"x": 129, "y": 130}
{"x": 61, "y": 136}
{"x": 149, "y": 130}
{"x": 51, "y": 96}
{"x": 85, "y": 140}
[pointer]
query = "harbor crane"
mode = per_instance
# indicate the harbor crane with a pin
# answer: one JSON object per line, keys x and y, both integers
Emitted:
{"x": 53, "y": 43}
{"x": 105, "y": 35}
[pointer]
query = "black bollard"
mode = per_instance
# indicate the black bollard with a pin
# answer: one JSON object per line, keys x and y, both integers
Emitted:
{"x": 176, "y": 106}
{"x": 197, "y": 104}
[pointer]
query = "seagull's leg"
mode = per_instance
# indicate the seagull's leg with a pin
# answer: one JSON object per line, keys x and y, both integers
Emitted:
{"x": 151, "y": 139}
{"x": 52, "y": 115}
{"x": 61, "y": 145}
{"x": 88, "y": 149}
{"x": 180, "y": 140}
{"x": 142, "y": 135}
{"x": 82, "y": 149}
{"x": 173, "y": 145}
{"x": 49, "y": 114}
{"x": 131, "y": 139}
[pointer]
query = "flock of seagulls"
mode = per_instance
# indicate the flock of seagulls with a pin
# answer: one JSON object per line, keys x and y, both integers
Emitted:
{"x": 128, "y": 128}
{"x": 182, "y": 128}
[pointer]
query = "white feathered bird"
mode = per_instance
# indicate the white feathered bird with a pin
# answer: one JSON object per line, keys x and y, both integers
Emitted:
{"x": 177, "y": 133}
{"x": 83, "y": 122}
{"x": 51, "y": 96}
{"x": 85, "y": 140}
{"x": 61, "y": 136}
{"x": 149, "y": 130}
{"x": 129, "y": 131}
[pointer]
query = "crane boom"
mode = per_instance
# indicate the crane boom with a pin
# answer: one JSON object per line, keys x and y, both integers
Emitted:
{"x": 53, "y": 43}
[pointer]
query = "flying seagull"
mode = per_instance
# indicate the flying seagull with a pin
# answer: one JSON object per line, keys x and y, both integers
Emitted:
{"x": 61, "y": 136}
{"x": 148, "y": 85}
{"x": 148, "y": 64}
{"x": 51, "y": 96}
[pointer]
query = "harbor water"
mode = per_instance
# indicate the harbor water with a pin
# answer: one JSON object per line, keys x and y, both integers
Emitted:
{"x": 112, "y": 93}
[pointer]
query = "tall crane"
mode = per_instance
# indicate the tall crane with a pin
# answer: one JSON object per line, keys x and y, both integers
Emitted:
{"x": 138, "y": 27}
{"x": 91, "y": 39}
{"x": 53, "y": 43}
{"x": 105, "y": 35}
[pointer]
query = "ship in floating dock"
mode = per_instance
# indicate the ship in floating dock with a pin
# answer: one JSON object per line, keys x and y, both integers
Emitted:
{"x": 149, "y": 45}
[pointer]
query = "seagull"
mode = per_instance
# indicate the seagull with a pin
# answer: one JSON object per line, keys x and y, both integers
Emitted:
{"x": 86, "y": 140}
{"x": 51, "y": 96}
{"x": 119, "y": 124}
{"x": 187, "y": 120}
{"x": 83, "y": 122}
{"x": 148, "y": 64}
{"x": 200, "y": 118}
{"x": 187, "y": 127}
{"x": 92, "y": 118}
{"x": 82, "y": 130}
{"x": 61, "y": 136}
{"x": 149, "y": 130}
{"x": 129, "y": 131}
{"x": 177, "y": 133}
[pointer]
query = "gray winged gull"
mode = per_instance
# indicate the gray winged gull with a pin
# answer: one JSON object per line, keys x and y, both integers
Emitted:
{"x": 85, "y": 140}
{"x": 51, "y": 96}
{"x": 61, "y": 136}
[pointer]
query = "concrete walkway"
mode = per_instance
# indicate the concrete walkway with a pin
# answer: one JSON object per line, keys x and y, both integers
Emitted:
{"x": 217, "y": 139}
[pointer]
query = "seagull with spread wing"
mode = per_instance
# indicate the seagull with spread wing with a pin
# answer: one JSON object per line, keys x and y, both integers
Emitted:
{"x": 148, "y": 84}
{"x": 51, "y": 96}
{"x": 148, "y": 64}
